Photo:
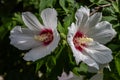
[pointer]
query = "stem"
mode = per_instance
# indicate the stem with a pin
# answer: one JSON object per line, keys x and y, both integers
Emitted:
{"x": 99, "y": 7}
{"x": 91, "y": 5}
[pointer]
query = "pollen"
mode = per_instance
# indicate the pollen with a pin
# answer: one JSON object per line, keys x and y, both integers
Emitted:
{"x": 84, "y": 40}
{"x": 45, "y": 36}
{"x": 42, "y": 37}
{"x": 80, "y": 41}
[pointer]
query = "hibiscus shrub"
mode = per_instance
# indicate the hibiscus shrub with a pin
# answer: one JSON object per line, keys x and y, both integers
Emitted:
{"x": 60, "y": 40}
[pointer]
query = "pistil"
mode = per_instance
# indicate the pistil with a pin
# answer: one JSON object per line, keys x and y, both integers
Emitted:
{"x": 45, "y": 36}
{"x": 80, "y": 41}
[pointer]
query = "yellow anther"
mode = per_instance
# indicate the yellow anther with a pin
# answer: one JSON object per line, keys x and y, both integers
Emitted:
{"x": 84, "y": 40}
{"x": 40, "y": 37}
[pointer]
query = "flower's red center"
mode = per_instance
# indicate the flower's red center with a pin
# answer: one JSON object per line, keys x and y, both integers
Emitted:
{"x": 45, "y": 36}
{"x": 80, "y": 40}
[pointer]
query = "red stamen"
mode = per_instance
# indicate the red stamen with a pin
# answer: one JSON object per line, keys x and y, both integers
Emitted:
{"x": 49, "y": 35}
{"x": 77, "y": 44}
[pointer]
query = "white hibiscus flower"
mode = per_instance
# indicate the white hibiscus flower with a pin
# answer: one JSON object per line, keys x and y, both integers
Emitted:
{"x": 70, "y": 76}
{"x": 40, "y": 39}
{"x": 98, "y": 76}
{"x": 86, "y": 37}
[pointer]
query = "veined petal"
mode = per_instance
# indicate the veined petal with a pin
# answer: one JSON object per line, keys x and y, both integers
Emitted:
{"x": 72, "y": 30}
{"x": 82, "y": 16}
{"x": 79, "y": 56}
{"x": 102, "y": 32}
{"x": 70, "y": 41}
{"x": 64, "y": 76}
{"x": 49, "y": 17}
{"x": 98, "y": 52}
{"x": 23, "y": 39}
{"x": 31, "y": 21}
{"x": 70, "y": 76}
{"x": 92, "y": 69}
{"x": 55, "y": 41}
{"x": 42, "y": 51}
{"x": 98, "y": 76}
{"x": 94, "y": 19}
{"x": 36, "y": 53}
{"x": 101, "y": 67}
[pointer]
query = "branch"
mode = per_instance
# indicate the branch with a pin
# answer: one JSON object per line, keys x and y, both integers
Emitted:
{"x": 99, "y": 7}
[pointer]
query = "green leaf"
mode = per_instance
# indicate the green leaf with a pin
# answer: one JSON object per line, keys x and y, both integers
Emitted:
{"x": 113, "y": 46}
{"x": 115, "y": 5}
{"x": 58, "y": 68}
{"x": 94, "y": 1}
{"x": 99, "y": 1}
{"x": 82, "y": 68}
{"x": 39, "y": 64}
{"x": 71, "y": 1}
{"x": 119, "y": 36}
{"x": 116, "y": 25}
{"x": 117, "y": 62}
{"x": 50, "y": 63}
{"x": 17, "y": 17}
{"x": 46, "y": 3}
{"x": 3, "y": 32}
{"x": 62, "y": 4}
{"x": 68, "y": 20}
{"x": 103, "y": 2}
{"x": 119, "y": 5}
{"x": 60, "y": 28}
{"x": 109, "y": 18}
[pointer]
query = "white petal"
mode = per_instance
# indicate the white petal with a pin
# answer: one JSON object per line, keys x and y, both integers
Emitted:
{"x": 72, "y": 30}
{"x": 31, "y": 21}
{"x": 64, "y": 76}
{"x": 98, "y": 76}
{"x": 75, "y": 52}
{"x": 79, "y": 56}
{"x": 82, "y": 16}
{"x": 102, "y": 32}
{"x": 36, "y": 53}
{"x": 101, "y": 68}
{"x": 49, "y": 17}
{"x": 1, "y": 77}
{"x": 70, "y": 76}
{"x": 42, "y": 51}
{"x": 22, "y": 38}
{"x": 99, "y": 53}
{"x": 92, "y": 69}
{"x": 94, "y": 19}
{"x": 76, "y": 77}
{"x": 55, "y": 42}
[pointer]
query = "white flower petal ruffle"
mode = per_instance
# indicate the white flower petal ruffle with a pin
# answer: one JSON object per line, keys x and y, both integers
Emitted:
{"x": 22, "y": 38}
{"x": 102, "y": 32}
{"x": 64, "y": 76}
{"x": 31, "y": 21}
{"x": 98, "y": 76}
{"x": 82, "y": 16}
{"x": 72, "y": 30}
{"x": 79, "y": 56}
{"x": 93, "y": 53}
{"x": 101, "y": 67}
{"x": 98, "y": 52}
{"x": 70, "y": 76}
{"x": 49, "y": 17}
{"x": 94, "y": 19}
{"x": 42, "y": 51}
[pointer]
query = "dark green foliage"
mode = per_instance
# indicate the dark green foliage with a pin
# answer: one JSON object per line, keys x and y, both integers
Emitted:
{"x": 12, "y": 65}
